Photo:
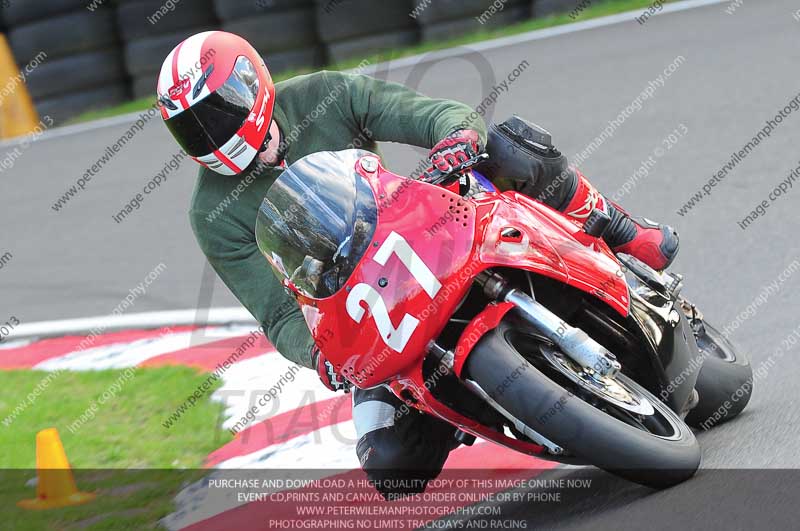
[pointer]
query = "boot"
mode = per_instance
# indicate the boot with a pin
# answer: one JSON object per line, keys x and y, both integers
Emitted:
{"x": 654, "y": 244}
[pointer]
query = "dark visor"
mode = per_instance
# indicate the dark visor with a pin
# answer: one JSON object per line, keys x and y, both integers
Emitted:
{"x": 214, "y": 120}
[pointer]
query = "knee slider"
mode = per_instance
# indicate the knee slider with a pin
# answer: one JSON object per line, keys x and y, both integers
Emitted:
{"x": 400, "y": 450}
{"x": 391, "y": 467}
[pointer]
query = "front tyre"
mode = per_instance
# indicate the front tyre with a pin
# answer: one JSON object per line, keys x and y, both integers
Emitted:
{"x": 651, "y": 446}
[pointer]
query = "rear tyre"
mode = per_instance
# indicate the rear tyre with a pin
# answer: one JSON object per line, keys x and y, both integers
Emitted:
{"x": 655, "y": 448}
{"x": 725, "y": 382}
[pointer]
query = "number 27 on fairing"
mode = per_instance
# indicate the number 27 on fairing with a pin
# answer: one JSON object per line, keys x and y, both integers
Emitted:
{"x": 395, "y": 338}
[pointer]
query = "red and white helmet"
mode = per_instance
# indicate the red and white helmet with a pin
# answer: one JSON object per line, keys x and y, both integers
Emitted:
{"x": 216, "y": 97}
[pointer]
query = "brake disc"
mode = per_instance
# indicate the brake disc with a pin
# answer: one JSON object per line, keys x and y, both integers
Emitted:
{"x": 603, "y": 387}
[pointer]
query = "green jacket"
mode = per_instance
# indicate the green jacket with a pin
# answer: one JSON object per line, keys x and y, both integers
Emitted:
{"x": 324, "y": 111}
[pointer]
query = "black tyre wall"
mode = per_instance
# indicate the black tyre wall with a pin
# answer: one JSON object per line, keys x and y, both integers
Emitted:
{"x": 293, "y": 59}
{"x": 464, "y": 26}
{"x": 63, "y": 107}
{"x": 19, "y": 12}
{"x": 357, "y": 18}
{"x": 133, "y": 18}
{"x": 351, "y": 48}
{"x": 76, "y": 72}
{"x": 283, "y": 31}
{"x": 442, "y": 10}
{"x": 143, "y": 57}
{"x": 74, "y": 54}
{"x": 63, "y": 35}
{"x": 543, "y": 8}
{"x": 236, "y": 9}
{"x": 277, "y": 31}
{"x": 146, "y": 45}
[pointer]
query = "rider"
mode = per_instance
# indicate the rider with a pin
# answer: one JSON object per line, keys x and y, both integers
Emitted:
{"x": 219, "y": 102}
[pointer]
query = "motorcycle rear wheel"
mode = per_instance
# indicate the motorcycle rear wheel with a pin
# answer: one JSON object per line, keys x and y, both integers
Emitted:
{"x": 656, "y": 450}
{"x": 725, "y": 382}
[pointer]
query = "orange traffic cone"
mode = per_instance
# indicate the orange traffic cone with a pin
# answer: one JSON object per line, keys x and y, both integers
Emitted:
{"x": 18, "y": 116}
{"x": 56, "y": 486}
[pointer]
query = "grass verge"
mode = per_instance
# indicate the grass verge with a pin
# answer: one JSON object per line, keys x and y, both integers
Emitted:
{"x": 597, "y": 9}
{"x": 124, "y": 454}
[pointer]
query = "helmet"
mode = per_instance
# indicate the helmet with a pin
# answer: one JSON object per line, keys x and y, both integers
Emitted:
{"x": 216, "y": 97}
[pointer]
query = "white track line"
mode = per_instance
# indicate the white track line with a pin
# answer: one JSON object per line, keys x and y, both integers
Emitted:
{"x": 413, "y": 60}
{"x": 534, "y": 35}
{"x": 110, "y": 323}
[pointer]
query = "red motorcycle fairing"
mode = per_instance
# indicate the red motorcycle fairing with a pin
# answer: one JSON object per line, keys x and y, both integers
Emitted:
{"x": 540, "y": 239}
{"x": 415, "y": 391}
{"x": 402, "y": 292}
{"x": 428, "y": 245}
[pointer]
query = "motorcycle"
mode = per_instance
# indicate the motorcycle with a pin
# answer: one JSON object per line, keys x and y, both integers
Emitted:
{"x": 499, "y": 315}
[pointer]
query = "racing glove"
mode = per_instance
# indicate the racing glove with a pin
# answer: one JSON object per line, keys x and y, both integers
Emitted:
{"x": 327, "y": 374}
{"x": 457, "y": 148}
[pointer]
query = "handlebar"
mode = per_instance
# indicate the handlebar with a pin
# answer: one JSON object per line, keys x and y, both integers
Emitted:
{"x": 440, "y": 177}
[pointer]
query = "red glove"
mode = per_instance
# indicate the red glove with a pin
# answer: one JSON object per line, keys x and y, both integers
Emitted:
{"x": 330, "y": 378}
{"x": 457, "y": 148}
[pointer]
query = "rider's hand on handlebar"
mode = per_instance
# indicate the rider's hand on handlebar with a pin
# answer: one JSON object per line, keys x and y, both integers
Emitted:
{"x": 457, "y": 148}
{"x": 327, "y": 373}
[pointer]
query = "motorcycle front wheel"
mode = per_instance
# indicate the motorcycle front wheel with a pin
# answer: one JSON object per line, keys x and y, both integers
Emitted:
{"x": 614, "y": 424}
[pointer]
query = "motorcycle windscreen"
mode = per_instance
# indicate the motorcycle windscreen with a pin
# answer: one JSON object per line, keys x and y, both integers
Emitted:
{"x": 316, "y": 222}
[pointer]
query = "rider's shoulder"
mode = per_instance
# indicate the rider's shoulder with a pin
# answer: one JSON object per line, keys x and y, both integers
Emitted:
{"x": 304, "y": 83}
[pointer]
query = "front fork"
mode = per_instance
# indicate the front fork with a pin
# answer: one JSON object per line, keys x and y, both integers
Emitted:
{"x": 573, "y": 342}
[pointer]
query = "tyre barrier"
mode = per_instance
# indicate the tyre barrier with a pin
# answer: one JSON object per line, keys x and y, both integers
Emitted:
{"x": 150, "y": 29}
{"x": 100, "y": 52}
{"x": 355, "y": 28}
{"x": 283, "y": 31}
{"x": 63, "y": 107}
{"x": 67, "y": 52}
{"x": 18, "y": 13}
{"x": 544, "y": 8}
{"x": 445, "y": 19}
